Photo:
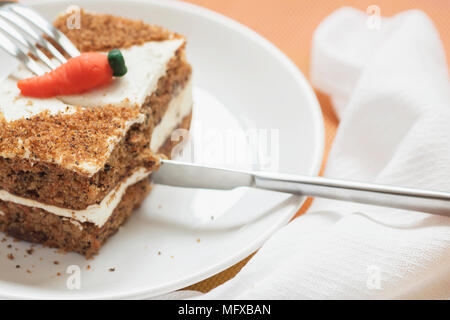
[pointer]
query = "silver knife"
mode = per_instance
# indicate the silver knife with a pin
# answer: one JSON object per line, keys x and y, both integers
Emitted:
{"x": 188, "y": 175}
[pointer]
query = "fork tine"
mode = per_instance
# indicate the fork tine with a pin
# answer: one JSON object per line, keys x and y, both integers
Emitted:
{"x": 16, "y": 52}
{"x": 9, "y": 30}
{"x": 46, "y": 28}
{"x": 21, "y": 24}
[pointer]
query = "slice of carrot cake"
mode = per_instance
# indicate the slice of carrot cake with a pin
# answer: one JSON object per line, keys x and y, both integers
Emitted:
{"x": 73, "y": 167}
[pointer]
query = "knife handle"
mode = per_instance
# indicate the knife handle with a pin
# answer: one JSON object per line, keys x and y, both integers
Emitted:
{"x": 434, "y": 202}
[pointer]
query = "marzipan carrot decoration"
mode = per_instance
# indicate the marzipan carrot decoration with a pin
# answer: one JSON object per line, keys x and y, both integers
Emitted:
{"x": 87, "y": 71}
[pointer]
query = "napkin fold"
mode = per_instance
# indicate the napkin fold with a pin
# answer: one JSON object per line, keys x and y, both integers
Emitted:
{"x": 390, "y": 87}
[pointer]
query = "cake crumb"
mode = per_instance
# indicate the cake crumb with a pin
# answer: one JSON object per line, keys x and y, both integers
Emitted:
{"x": 58, "y": 274}
{"x": 88, "y": 267}
{"x": 10, "y": 256}
{"x": 28, "y": 271}
{"x": 56, "y": 262}
{"x": 9, "y": 246}
{"x": 198, "y": 240}
{"x": 17, "y": 266}
{"x": 112, "y": 269}
{"x": 159, "y": 253}
{"x": 61, "y": 251}
{"x": 30, "y": 251}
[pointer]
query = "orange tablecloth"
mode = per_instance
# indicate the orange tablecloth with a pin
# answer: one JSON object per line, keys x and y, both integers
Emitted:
{"x": 290, "y": 24}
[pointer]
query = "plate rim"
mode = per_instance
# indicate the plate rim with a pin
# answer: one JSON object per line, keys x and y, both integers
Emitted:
{"x": 296, "y": 200}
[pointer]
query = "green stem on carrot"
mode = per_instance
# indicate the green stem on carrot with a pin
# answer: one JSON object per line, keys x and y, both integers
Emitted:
{"x": 117, "y": 63}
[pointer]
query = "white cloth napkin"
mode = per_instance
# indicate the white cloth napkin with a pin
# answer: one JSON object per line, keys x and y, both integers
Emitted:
{"x": 391, "y": 89}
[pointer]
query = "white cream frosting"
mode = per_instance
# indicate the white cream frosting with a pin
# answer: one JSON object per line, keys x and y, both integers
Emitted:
{"x": 96, "y": 213}
{"x": 15, "y": 106}
{"x": 179, "y": 107}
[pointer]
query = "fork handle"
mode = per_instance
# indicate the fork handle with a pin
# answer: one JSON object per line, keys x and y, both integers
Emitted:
{"x": 434, "y": 202}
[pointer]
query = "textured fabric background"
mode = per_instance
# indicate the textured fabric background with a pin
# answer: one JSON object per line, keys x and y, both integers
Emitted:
{"x": 289, "y": 24}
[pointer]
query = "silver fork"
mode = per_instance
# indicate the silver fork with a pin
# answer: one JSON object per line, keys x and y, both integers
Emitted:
{"x": 22, "y": 29}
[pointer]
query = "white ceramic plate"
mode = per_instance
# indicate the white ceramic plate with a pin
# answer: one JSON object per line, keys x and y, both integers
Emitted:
{"x": 179, "y": 237}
